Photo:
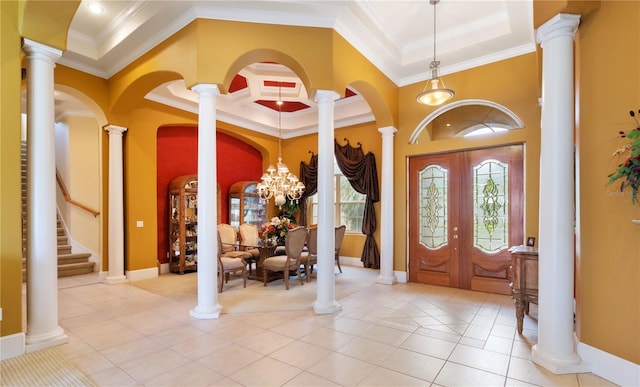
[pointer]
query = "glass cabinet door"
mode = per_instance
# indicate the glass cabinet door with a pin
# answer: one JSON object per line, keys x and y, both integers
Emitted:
{"x": 245, "y": 206}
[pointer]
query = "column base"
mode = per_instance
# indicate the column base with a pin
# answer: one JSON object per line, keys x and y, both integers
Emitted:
{"x": 386, "y": 280}
{"x": 559, "y": 364}
{"x": 51, "y": 339}
{"x": 115, "y": 280}
{"x": 324, "y": 307}
{"x": 205, "y": 313}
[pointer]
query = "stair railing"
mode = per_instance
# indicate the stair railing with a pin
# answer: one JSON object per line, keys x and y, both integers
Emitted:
{"x": 68, "y": 199}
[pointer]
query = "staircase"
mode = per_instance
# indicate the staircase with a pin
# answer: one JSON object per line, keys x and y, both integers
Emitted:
{"x": 69, "y": 264}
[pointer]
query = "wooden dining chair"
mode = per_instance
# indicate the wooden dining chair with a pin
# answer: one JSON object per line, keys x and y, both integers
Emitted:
{"x": 249, "y": 240}
{"x": 289, "y": 262}
{"x": 229, "y": 265}
{"x": 310, "y": 257}
{"x": 230, "y": 246}
{"x": 340, "y": 230}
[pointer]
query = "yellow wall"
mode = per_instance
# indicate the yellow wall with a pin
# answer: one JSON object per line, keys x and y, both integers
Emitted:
{"x": 508, "y": 83}
{"x": 608, "y": 261}
{"x": 84, "y": 180}
{"x": 140, "y": 174}
{"x": 10, "y": 189}
{"x": 47, "y": 22}
{"x": 367, "y": 134}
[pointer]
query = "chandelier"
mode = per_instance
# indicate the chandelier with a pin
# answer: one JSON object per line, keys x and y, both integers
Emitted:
{"x": 279, "y": 183}
{"x": 435, "y": 95}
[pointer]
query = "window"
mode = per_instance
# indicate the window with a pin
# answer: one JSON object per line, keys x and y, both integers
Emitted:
{"x": 349, "y": 204}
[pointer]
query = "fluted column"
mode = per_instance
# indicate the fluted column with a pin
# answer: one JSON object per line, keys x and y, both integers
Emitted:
{"x": 208, "y": 306}
{"x": 386, "y": 208}
{"x": 116, "y": 206}
{"x": 556, "y": 349}
{"x": 42, "y": 244}
{"x": 326, "y": 292}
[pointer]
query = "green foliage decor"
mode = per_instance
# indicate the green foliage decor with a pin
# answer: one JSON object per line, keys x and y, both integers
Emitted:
{"x": 629, "y": 169}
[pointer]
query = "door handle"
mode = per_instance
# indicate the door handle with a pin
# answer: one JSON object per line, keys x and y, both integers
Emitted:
{"x": 455, "y": 228}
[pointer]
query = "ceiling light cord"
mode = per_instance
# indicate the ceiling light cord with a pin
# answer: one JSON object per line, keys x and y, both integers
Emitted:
{"x": 434, "y": 2}
{"x": 433, "y": 94}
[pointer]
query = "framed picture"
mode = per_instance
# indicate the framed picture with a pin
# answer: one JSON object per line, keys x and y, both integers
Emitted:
{"x": 531, "y": 241}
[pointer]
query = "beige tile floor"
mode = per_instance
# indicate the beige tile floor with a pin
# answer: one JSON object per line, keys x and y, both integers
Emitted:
{"x": 400, "y": 335}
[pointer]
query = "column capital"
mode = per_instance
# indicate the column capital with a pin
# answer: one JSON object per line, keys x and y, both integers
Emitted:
{"x": 206, "y": 88}
{"x": 326, "y": 96}
{"x": 563, "y": 24}
{"x": 115, "y": 129}
{"x": 35, "y": 48}
{"x": 387, "y": 131}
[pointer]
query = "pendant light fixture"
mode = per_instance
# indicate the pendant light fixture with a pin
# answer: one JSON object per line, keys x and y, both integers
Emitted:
{"x": 278, "y": 182}
{"x": 433, "y": 94}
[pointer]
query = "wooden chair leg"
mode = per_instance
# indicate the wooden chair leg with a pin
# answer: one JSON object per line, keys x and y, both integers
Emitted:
{"x": 286, "y": 278}
{"x": 264, "y": 276}
{"x": 338, "y": 262}
{"x": 244, "y": 278}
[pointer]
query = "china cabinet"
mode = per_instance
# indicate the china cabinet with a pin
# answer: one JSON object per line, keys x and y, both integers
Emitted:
{"x": 183, "y": 225}
{"x": 245, "y": 206}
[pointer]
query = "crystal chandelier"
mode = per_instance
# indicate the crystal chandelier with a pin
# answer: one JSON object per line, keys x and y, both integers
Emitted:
{"x": 278, "y": 182}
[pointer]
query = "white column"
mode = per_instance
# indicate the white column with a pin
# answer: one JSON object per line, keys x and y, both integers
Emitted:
{"x": 208, "y": 306}
{"x": 386, "y": 206}
{"x": 325, "y": 302}
{"x": 42, "y": 244}
{"x": 556, "y": 349}
{"x": 116, "y": 207}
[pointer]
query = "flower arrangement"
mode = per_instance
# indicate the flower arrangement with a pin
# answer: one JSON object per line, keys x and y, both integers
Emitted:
{"x": 629, "y": 170}
{"x": 275, "y": 232}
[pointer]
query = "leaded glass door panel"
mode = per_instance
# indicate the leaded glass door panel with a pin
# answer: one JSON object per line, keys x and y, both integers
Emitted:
{"x": 433, "y": 203}
{"x": 466, "y": 210}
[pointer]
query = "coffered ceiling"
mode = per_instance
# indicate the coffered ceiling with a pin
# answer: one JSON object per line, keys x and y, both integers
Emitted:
{"x": 395, "y": 35}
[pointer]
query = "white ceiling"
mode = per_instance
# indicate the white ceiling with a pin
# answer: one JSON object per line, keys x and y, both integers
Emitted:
{"x": 396, "y": 36}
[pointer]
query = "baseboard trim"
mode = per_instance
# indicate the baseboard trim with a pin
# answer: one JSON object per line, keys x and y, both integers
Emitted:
{"x": 401, "y": 276}
{"x": 615, "y": 369}
{"x": 143, "y": 274}
{"x": 12, "y": 345}
{"x": 350, "y": 261}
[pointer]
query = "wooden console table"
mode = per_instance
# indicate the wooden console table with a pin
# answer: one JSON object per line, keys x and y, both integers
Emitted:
{"x": 524, "y": 279}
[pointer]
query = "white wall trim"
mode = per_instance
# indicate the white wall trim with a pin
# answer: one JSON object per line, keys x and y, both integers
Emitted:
{"x": 164, "y": 268}
{"x": 401, "y": 276}
{"x": 12, "y": 345}
{"x": 143, "y": 274}
{"x": 615, "y": 369}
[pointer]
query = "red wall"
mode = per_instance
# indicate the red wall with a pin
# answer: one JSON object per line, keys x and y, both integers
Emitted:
{"x": 177, "y": 148}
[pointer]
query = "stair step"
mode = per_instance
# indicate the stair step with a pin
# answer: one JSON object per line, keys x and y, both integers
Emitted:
{"x": 62, "y": 240}
{"x": 66, "y": 259}
{"x": 60, "y": 231}
{"x": 75, "y": 269}
{"x": 64, "y": 249}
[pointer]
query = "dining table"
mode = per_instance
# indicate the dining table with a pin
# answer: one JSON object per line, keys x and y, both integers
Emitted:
{"x": 265, "y": 252}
